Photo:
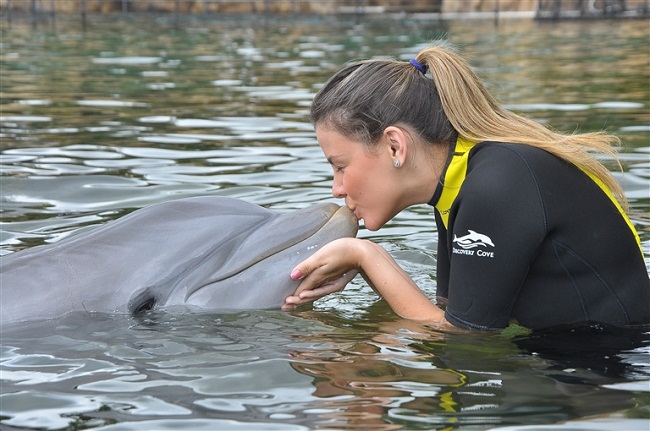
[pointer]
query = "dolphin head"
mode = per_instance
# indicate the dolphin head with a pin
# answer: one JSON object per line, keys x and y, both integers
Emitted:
{"x": 251, "y": 269}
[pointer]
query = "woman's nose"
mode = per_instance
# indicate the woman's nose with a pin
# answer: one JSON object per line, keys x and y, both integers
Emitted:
{"x": 337, "y": 189}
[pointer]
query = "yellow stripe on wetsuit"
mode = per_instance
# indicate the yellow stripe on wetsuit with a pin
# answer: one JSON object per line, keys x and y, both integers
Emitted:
{"x": 457, "y": 170}
{"x": 454, "y": 177}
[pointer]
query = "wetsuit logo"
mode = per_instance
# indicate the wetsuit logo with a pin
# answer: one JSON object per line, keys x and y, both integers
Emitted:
{"x": 471, "y": 241}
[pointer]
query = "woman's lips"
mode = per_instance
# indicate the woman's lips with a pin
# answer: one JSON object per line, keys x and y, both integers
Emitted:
{"x": 354, "y": 211}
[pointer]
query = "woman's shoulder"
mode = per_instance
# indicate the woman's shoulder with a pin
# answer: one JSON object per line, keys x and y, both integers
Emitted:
{"x": 499, "y": 163}
{"x": 507, "y": 160}
{"x": 509, "y": 150}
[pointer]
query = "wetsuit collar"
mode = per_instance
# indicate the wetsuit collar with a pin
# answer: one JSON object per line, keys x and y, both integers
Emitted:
{"x": 452, "y": 178}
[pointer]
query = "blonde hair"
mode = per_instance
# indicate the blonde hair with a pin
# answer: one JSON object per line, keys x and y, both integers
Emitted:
{"x": 365, "y": 97}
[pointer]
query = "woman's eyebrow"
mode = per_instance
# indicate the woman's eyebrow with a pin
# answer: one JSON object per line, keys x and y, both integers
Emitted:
{"x": 332, "y": 159}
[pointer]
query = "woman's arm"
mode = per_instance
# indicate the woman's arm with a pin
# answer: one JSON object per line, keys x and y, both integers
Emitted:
{"x": 333, "y": 266}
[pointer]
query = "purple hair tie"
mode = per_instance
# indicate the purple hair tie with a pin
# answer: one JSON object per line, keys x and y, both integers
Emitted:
{"x": 418, "y": 66}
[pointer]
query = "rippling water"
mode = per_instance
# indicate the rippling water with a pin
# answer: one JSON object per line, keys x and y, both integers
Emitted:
{"x": 95, "y": 124}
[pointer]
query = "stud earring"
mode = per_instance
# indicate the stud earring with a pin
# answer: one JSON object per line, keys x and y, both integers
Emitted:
{"x": 396, "y": 163}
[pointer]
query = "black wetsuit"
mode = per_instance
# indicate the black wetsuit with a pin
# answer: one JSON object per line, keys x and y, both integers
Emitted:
{"x": 525, "y": 235}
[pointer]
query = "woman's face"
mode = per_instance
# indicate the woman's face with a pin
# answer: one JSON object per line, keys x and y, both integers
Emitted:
{"x": 364, "y": 178}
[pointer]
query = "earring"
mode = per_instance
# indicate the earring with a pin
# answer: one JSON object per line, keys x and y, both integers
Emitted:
{"x": 396, "y": 163}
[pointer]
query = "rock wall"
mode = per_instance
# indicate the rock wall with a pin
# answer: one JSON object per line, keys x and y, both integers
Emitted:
{"x": 302, "y": 6}
{"x": 276, "y": 6}
{"x": 458, "y": 6}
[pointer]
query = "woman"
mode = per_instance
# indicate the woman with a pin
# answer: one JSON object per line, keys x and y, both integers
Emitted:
{"x": 531, "y": 226}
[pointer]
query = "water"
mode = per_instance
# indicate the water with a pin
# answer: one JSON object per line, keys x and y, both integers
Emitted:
{"x": 138, "y": 111}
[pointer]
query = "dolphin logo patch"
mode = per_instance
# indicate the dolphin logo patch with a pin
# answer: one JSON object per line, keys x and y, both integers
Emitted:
{"x": 473, "y": 240}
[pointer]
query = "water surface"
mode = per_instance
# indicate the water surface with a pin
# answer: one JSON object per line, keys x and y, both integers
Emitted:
{"x": 96, "y": 124}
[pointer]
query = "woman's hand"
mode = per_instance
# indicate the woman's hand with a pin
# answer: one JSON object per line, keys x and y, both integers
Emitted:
{"x": 326, "y": 271}
{"x": 333, "y": 266}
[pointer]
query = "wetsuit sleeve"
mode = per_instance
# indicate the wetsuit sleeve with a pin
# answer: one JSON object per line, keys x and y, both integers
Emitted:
{"x": 496, "y": 227}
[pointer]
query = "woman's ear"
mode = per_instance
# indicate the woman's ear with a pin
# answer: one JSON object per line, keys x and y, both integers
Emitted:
{"x": 396, "y": 144}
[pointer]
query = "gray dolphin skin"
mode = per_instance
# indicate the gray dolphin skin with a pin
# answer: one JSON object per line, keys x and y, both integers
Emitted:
{"x": 213, "y": 253}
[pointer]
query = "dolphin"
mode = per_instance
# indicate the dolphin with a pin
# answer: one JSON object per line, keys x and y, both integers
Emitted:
{"x": 210, "y": 252}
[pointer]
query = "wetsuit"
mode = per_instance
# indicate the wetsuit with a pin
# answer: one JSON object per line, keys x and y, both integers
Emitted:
{"x": 526, "y": 235}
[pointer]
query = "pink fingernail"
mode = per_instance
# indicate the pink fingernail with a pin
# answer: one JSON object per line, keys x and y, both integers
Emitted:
{"x": 296, "y": 274}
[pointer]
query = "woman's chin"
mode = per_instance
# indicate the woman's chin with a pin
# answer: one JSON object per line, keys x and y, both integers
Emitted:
{"x": 373, "y": 227}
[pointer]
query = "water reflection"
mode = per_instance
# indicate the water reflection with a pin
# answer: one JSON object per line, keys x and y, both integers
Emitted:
{"x": 306, "y": 370}
{"x": 96, "y": 124}
{"x": 410, "y": 374}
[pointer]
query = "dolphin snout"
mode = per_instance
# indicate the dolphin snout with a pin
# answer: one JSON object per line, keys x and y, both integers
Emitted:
{"x": 347, "y": 221}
